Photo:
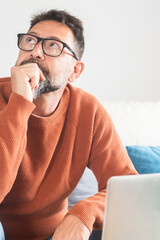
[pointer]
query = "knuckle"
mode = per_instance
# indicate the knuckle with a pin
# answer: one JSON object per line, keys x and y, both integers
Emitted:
{"x": 13, "y": 69}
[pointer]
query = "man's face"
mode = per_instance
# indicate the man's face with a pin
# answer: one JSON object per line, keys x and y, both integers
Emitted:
{"x": 56, "y": 70}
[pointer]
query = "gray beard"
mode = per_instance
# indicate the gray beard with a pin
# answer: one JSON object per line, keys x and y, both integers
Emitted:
{"x": 49, "y": 85}
{"x": 44, "y": 87}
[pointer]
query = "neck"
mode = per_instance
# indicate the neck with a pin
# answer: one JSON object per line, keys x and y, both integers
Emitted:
{"x": 47, "y": 103}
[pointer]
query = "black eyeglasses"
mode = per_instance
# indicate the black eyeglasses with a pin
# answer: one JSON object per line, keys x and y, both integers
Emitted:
{"x": 51, "y": 47}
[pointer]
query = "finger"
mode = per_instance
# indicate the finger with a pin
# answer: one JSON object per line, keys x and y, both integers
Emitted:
{"x": 34, "y": 82}
{"x": 34, "y": 69}
{"x": 42, "y": 77}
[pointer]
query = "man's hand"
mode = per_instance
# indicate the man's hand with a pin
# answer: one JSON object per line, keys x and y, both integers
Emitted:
{"x": 72, "y": 228}
{"x": 25, "y": 78}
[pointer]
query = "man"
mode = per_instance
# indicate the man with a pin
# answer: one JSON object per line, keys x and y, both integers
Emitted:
{"x": 50, "y": 132}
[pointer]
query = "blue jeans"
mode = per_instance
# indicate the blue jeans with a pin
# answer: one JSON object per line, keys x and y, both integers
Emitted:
{"x": 1, "y": 232}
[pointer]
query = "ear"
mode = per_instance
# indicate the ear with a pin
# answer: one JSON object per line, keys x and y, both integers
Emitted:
{"x": 78, "y": 69}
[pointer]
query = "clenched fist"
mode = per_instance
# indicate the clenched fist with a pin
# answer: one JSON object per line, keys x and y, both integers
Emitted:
{"x": 25, "y": 78}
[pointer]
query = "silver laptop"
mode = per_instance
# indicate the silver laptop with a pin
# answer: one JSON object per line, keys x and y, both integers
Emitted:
{"x": 132, "y": 208}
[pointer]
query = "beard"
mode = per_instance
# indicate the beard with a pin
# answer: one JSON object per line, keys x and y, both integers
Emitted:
{"x": 50, "y": 84}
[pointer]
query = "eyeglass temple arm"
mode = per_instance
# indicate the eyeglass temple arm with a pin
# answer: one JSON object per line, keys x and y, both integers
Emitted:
{"x": 74, "y": 55}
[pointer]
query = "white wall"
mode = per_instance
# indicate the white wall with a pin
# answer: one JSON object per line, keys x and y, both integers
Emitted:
{"x": 122, "y": 54}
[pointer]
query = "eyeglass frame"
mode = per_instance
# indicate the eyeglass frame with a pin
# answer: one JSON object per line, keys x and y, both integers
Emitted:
{"x": 39, "y": 39}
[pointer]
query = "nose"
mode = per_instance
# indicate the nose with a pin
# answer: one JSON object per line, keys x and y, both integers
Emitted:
{"x": 37, "y": 52}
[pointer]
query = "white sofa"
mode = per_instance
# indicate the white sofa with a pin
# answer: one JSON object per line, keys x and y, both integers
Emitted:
{"x": 138, "y": 123}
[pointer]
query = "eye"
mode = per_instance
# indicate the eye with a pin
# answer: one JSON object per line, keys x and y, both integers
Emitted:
{"x": 30, "y": 40}
{"x": 52, "y": 47}
{"x": 53, "y": 44}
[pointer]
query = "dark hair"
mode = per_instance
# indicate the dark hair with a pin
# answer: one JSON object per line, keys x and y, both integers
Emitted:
{"x": 65, "y": 18}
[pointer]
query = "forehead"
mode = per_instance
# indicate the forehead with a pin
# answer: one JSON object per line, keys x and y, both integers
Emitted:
{"x": 49, "y": 29}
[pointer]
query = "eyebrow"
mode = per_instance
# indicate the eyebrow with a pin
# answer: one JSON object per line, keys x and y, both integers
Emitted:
{"x": 48, "y": 37}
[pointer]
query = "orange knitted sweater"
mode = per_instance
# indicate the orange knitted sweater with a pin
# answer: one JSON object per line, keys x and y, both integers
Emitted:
{"x": 43, "y": 158}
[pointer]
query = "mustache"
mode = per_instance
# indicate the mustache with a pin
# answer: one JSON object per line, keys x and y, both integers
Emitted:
{"x": 41, "y": 67}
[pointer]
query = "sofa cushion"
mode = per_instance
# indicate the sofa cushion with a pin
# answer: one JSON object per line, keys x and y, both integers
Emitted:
{"x": 86, "y": 187}
{"x": 137, "y": 123}
{"x": 146, "y": 159}
{"x": 1, "y": 232}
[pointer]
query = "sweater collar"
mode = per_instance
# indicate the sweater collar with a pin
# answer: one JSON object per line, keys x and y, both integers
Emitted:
{"x": 57, "y": 114}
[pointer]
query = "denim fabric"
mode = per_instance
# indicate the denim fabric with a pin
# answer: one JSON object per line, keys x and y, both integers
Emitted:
{"x": 96, "y": 235}
{"x": 1, "y": 233}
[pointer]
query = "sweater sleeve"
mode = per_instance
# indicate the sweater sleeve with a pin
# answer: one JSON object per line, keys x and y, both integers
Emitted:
{"x": 108, "y": 158}
{"x": 13, "y": 125}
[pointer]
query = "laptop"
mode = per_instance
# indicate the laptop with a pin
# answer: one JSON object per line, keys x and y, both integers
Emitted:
{"x": 132, "y": 209}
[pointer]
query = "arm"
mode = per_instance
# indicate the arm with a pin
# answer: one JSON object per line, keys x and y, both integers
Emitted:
{"x": 13, "y": 124}
{"x": 108, "y": 157}
{"x": 71, "y": 228}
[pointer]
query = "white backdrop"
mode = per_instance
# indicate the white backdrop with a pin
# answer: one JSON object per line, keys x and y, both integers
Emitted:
{"x": 122, "y": 55}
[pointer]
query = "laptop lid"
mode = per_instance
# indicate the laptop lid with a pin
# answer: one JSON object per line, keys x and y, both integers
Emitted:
{"x": 132, "y": 209}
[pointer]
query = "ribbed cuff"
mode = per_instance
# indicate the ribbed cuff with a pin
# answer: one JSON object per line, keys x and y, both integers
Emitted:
{"x": 84, "y": 213}
{"x": 19, "y": 108}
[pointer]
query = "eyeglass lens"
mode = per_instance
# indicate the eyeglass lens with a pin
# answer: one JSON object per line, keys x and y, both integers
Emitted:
{"x": 50, "y": 47}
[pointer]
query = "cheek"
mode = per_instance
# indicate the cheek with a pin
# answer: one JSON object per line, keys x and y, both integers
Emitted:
{"x": 53, "y": 66}
{"x": 60, "y": 69}
{"x": 21, "y": 57}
